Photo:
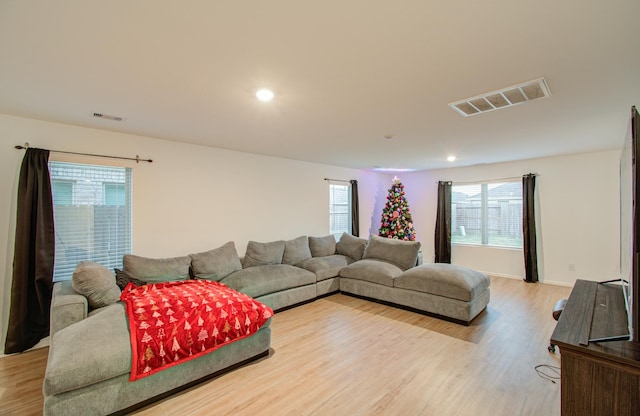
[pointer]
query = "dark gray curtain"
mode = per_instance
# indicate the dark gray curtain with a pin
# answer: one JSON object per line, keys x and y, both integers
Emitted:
{"x": 355, "y": 209}
{"x": 529, "y": 228}
{"x": 443, "y": 223}
{"x": 33, "y": 256}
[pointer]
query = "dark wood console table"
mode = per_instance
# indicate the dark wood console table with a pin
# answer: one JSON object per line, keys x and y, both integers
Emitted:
{"x": 597, "y": 378}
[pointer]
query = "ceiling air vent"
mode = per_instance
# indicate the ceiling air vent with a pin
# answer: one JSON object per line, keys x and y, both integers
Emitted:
{"x": 506, "y": 97}
{"x": 107, "y": 117}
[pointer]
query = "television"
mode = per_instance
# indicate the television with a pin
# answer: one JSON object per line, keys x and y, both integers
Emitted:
{"x": 630, "y": 224}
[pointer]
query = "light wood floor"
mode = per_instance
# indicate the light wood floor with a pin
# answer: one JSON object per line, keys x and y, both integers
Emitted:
{"x": 346, "y": 356}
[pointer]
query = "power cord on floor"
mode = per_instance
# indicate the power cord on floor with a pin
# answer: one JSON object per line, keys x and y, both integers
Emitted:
{"x": 548, "y": 372}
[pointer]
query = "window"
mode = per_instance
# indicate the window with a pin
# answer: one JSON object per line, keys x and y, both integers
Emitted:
{"x": 62, "y": 192}
{"x": 339, "y": 209}
{"x": 115, "y": 193}
{"x": 487, "y": 214}
{"x": 92, "y": 215}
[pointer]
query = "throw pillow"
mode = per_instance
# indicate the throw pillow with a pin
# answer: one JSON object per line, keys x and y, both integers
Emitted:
{"x": 96, "y": 282}
{"x": 322, "y": 246}
{"x": 216, "y": 264}
{"x": 157, "y": 270}
{"x": 403, "y": 254}
{"x": 351, "y": 246}
{"x": 123, "y": 279}
{"x": 296, "y": 250}
{"x": 260, "y": 254}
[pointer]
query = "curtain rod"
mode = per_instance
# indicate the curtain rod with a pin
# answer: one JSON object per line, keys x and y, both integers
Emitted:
{"x": 490, "y": 180}
{"x": 137, "y": 158}
{"x": 336, "y": 180}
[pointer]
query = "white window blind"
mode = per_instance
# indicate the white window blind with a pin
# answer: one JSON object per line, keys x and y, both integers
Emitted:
{"x": 92, "y": 215}
{"x": 487, "y": 214}
{"x": 339, "y": 209}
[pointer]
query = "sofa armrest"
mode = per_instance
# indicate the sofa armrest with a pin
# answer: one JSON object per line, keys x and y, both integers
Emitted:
{"x": 67, "y": 307}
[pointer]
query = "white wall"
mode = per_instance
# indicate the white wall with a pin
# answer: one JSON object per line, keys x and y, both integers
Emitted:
{"x": 191, "y": 198}
{"x": 577, "y": 198}
{"x": 194, "y": 198}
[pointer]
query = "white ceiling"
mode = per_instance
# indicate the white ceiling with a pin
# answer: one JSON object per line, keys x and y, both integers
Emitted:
{"x": 345, "y": 74}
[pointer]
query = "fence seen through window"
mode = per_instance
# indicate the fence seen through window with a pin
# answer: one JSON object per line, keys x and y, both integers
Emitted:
{"x": 92, "y": 215}
{"x": 487, "y": 214}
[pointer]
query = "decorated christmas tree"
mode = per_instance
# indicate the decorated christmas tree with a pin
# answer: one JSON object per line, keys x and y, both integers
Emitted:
{"x": 396, "y": 217}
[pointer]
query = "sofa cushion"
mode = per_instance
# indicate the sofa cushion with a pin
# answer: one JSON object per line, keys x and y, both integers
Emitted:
{"x": 260, "y": 254}
{"x": 123, "y": 279}
{"x": 322, "y": 246}
{"x": 157, "y": 270}
{"x": 371, "y": 270}
{"x": 296, "y": 250}
{"x": 96, "y": 282}
{"x": 90, "y": 351}
{"x": 326, "y": 267}
{"x": 261, "y": 280}
{"x": 443, "y": 279}
{"x": 351, "y": 246}
{"x": 67, "y": 306}
{"x": 216, "y": 264}
{"x": 403, "y": 254}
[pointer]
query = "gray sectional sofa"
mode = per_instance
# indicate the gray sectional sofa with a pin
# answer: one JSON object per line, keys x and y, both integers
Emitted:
{"x": 388, "y": 273}
{"x": 90, "y": 353}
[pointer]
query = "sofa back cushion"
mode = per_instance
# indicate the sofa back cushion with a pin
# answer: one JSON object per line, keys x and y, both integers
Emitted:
{"x": 157, "y": 270}
{"x": 96, "y": 283}
{"x": 269, "y": 279}
{"x": 260, "y": 254}
{"x": 403, "y": 254}
{"x": 351, "y": 246}
{"x": 123, "y": 279}
{"x": 322, "y": 246}
{"x": 296, "y": 250}
{"x": 216, "y": 264}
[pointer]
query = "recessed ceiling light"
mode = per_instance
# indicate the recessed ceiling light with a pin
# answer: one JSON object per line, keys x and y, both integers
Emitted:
{"x": 451, "y": 158}
{"x": 265, "y": 95}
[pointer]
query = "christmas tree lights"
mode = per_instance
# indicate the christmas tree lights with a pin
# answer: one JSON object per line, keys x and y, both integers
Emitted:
{"x": 396, "y": 217}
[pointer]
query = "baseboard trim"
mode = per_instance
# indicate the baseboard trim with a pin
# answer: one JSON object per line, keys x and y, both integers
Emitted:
{"x": 544, "y": 282}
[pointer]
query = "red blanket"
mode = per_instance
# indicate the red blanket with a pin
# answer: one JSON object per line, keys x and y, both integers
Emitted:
{"x": 177, "y": 321}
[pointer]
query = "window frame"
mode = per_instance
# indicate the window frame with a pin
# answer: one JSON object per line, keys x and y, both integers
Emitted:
{"x": 333, "y": 214}
{"x": 65, "y": 182}
{"x": 109, "y": 199}
{"x": 92, "y": 228}
{"x": 507, "y": 205}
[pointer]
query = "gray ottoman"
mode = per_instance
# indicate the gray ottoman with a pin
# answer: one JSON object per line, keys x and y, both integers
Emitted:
{"x": 447, "y": 290}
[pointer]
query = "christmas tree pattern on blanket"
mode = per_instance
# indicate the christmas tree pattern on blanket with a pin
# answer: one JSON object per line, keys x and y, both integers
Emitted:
{"x": 174, "y": 322}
